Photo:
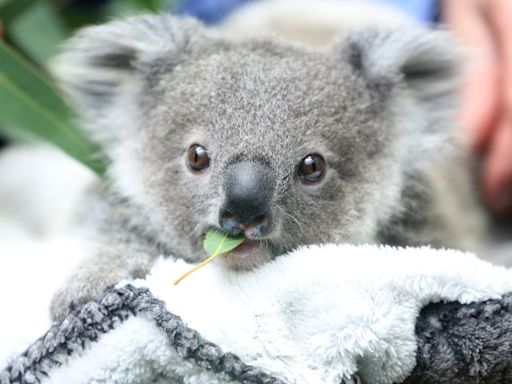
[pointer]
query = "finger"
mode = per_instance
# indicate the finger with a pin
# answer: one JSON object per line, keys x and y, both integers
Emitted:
{"x": 480, "y": 92}
{"x": 499, "y": 13}
{"x": 498, "y": 167}
{"x": 480, "y": 101}
{"x": 497, "y": 172}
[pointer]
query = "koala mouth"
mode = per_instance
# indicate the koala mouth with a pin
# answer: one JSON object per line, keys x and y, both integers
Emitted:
{"x": 249, "y": 255}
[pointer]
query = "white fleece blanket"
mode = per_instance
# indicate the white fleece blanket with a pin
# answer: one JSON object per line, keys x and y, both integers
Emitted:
{"x": 342, "y": 309}
{"x": 317, "y": 315}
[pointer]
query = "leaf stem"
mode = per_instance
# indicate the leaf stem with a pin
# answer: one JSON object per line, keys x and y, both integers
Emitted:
{"x": 203, "y": 263}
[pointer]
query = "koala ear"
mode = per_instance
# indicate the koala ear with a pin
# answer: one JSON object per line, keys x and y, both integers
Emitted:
{"x": 425, "y": 60}
{"x": 419, "y": 66}
{"x": 100, "y": 63}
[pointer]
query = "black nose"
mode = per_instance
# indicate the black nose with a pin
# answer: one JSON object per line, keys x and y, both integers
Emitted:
{"x": 249, "y": 188}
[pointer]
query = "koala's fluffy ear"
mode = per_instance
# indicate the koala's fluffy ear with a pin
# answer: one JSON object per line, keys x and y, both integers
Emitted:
{"x": 426, "y": 60}
{"x": 99, "y": 63}
{"x": 423, "y": 66}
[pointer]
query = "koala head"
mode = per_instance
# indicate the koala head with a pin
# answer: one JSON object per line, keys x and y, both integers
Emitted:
{"x": 288, "y": 145}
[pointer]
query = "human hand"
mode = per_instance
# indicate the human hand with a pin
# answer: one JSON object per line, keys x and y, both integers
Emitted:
{"x": 485, "y": 27}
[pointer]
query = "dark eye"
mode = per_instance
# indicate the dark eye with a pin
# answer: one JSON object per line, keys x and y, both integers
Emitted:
{"x": 197, "y": 157}
{"x": 312, "y": 169}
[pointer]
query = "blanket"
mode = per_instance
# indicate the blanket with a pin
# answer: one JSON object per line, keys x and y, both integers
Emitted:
{"x": 322, "y": 314}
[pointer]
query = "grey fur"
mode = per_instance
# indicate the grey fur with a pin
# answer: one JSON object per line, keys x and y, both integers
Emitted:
{"x": 378, "y": 106}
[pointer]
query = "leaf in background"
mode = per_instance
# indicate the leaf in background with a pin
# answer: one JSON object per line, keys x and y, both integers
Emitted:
{"x": 28, "y": 102}
{"x": 126, "y": 7}
{"x": 38, "y": 31}
{"x": 16, "y": 136}
{"x": 159, "y": 5}
{"x": 9, "y": 9}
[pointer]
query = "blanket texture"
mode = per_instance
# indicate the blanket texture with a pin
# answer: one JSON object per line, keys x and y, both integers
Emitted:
{"x": 320, "y": 315}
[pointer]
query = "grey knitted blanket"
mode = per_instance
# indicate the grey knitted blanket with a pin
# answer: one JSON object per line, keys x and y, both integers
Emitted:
{"x": 429, "y": 317}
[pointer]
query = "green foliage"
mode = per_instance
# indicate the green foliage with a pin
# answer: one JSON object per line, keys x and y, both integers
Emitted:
{"x": 38, "y": 31}
{"x": 134, "y": 6}
{"x": 30, "y": 105}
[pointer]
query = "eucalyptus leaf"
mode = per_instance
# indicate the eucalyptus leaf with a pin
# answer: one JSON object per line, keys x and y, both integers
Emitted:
{"x": 10, "y": 9}
{"x": 219, "y": 242}
{"x": 215, "y": 243}
{"x": 30, "y": 103}
{"x": 38, "y": 31}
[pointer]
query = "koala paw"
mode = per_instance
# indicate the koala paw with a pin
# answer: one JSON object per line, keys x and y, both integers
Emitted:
{"x": 93, "y": 277}
{"x": 73, "y": 295}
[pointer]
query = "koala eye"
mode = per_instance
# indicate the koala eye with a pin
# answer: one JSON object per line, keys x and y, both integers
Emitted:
{"x": 312, "y": 169}
{"x": 197, "y": 157}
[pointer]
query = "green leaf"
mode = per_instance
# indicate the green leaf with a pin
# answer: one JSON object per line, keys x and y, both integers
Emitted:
{"x": 30, "y": 103}
{"x": 215, "y": 243}
{"x": 219, "y": 242}
{"x": 38, "y": 31}
{"x": 10, "y": 9}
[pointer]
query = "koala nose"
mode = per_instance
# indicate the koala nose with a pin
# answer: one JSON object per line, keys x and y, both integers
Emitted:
{"x": 246, "y": 208}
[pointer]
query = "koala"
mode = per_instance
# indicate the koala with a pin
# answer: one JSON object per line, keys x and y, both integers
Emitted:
{"x": 287, "y": 144}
